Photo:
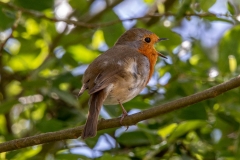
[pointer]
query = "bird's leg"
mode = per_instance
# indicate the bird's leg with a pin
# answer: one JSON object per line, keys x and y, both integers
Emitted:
{"x": 124, "y": 113}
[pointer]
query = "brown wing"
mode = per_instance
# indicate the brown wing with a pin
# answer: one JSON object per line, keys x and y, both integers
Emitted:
{"x": 105, "y": 69}
{"x": 102, "y": 81}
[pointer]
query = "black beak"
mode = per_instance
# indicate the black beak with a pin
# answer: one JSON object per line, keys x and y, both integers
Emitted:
{"x": 160, "y": 54}
{"x": 162, "y": 39}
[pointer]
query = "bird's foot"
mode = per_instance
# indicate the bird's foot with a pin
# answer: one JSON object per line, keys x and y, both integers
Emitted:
{"x": 122, "y": 117}
{"x": 124, "y": 114}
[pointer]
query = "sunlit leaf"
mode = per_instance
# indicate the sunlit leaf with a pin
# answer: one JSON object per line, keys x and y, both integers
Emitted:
{"x": 41, "y": 70}
{"x": 232, "y": 63}
{"x": 148, "y": 1}
{"x": 161, "y": 8}
{"x": 29, "y": 153}
{"x": 22, "y": 62}
{"x": 194, "y": 60}
{"x": 38, "y": 113}
{"x": 82, "y": 54}
{"x": 167, "y": 130}
{"x": 185, "y": 127}
{"x": 14, "y": 88}
{"x": 32, "y": 27}
{"x": 98, "y": 39}
{"x": 3, "y": 128}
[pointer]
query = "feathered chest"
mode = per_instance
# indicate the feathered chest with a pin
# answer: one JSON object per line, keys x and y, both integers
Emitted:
{"x": 128, "y": 82}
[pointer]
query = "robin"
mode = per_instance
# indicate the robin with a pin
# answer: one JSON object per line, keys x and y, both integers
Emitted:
{"x": 119, "y": 74}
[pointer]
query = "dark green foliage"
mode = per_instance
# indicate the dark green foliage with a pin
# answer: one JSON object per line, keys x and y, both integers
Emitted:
{"x": 39, "y": 82}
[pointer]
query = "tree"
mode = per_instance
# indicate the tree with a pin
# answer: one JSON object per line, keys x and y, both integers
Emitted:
{"x": 46, "y": 45}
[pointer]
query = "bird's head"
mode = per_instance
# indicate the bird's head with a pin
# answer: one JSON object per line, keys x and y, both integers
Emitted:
{"x": 142, "y": 40}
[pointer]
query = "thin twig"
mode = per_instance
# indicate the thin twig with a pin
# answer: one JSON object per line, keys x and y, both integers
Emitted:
{"x": 74, "y": 133}
{"x": 97, "y": 25}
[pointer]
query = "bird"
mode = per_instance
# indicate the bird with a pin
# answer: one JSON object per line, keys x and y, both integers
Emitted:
{"x": 119, "y": 74}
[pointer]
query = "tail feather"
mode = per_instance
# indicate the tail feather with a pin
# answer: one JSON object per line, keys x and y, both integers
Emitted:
{"x": 95, "y": 104}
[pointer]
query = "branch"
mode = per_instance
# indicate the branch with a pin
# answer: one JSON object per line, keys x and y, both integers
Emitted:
{"x": 54, "y": 19}
{"x": 74, "y": 133}
{"x": 97, "y": 25}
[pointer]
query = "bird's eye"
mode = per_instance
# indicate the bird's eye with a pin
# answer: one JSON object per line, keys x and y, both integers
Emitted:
{"x": 147, "y": 39}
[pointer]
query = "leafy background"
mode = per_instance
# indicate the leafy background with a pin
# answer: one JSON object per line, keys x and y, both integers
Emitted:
{"x": 42, "y": 60}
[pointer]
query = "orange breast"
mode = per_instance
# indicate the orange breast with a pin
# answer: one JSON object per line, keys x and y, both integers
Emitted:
{"x": 152, "y": 55}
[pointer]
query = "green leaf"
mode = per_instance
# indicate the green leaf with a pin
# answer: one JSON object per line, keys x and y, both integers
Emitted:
{"x": 213, "y": 18}
{"x": 195, "y": 111}
{"x": 47, "y": 64}
{"x": 14, "y": 88}
{"x": 205, "y": 5}
{"x": 228, "y": 119}
{"x": 81, "y": 6}
{"x": 229, "y": 45}
{"x": 68, "y": 59}
{"x": 27, "y": 153}
{"x": 163, "y": 32}
{"x": 114, "y": 157}
{"x": 7, "y": 105}
{"x": 6, "y": 20}
{"x": 3, "y": 128}
{"x": 82, "y": 54}
{"x": 185, "y": 127}
{"x": 97, "y": 39}
{"x": 135, "y": 138}
{"x": 231, "y": 8}
{"x": 70, "y": 156}
{"x": 49, "y": 125}
{"x": 137, "y": 103}
{"x": 35, "y": 4}
{"x": 112, "y": 32}
{"x": 184, "y": 8}
{"x": 22, "y": 62}
{"x": 167, "y": 130}
{"x": 34, "y": 84}
{"x": 65, "y": 96}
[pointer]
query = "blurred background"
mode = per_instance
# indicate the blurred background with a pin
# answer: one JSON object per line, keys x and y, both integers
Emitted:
{"x": 45, "y": 47}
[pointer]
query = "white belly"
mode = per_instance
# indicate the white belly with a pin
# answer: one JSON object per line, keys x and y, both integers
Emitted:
{"x": 122, "y": 95}
{"x": 126, "y": 88}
